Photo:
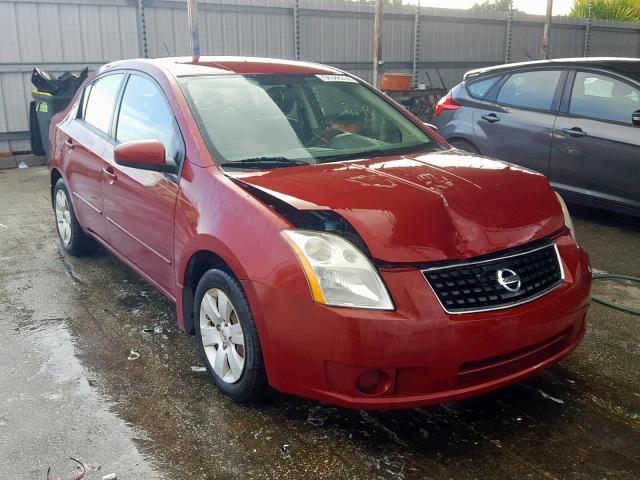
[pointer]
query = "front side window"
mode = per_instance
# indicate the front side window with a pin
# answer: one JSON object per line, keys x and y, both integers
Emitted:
{"x": 534, "y": 89}
{"x": 98, "y": 108}
{"x": 298, "y": 118}
{"x": 600, "y": 96}
{"x": 146, "y": 115}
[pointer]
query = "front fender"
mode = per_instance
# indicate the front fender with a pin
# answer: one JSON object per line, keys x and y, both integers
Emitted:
{"x": 216, "y": 215}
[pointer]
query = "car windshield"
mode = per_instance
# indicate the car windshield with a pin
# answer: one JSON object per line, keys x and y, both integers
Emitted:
{"x": 272, "y": 121}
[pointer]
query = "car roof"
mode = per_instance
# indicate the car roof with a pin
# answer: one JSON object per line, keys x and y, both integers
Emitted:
{"x": 218, "y": 65}
{"x": 625, "y": 66}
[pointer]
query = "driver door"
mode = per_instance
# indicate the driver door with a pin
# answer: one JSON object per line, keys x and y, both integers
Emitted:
{"x": 140, "y": 204}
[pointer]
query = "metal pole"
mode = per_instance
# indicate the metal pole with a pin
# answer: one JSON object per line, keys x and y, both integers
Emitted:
{"x": 508, "y": 40}
{"x": 416, "y": 47}
{"x": 296, "y": 29}
{"x": 545, "y": 50}
{"x": 192, "y": 14}
{"x": 587, "y": 33}
{"x": 377, "y": 44}
{"x": 142, "y": 31}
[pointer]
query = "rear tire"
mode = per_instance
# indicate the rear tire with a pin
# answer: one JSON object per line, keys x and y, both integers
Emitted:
{"x": 73, "y": 240}
{"x": 227, "y": 337}
{"x": 465, "y": 145}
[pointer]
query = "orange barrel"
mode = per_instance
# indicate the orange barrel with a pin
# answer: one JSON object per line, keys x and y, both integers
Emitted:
{"x": 396, "y": 81}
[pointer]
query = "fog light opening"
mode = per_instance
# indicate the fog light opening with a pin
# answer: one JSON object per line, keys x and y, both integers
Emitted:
{"x": 373, "y": 382}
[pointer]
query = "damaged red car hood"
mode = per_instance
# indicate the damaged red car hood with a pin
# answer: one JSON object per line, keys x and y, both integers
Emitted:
{"x": 423, "y": 207}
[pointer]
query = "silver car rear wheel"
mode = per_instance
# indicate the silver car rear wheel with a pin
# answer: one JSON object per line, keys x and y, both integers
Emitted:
{"x": 73, "y": 240}
{"x": 63, "y": 217}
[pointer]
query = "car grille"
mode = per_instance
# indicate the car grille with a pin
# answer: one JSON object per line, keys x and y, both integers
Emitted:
{"x": 499, "y": 282}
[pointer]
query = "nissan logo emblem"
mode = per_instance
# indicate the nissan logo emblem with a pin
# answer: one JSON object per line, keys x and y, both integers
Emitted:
{"x": 509, "y": 279}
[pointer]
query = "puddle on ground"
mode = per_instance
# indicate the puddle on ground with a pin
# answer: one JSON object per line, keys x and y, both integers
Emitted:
{"x": 55, "y": 341}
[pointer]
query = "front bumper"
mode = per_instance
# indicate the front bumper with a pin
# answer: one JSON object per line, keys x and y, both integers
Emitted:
{"x": 425, "y": 355}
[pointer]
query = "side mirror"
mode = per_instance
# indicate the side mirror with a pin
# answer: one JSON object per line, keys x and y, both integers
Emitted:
{"x": 635, "y": 117}
{"x": 431, "y": 126}
{"x": 145, "y": 155}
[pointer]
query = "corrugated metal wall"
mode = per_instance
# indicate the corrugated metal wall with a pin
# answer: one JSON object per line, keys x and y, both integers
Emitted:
{"x": 61, "y": 35}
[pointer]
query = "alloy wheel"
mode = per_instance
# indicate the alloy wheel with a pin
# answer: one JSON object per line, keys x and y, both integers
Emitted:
{"x": 222, "y": 335}
{"x": 63, "y": 217}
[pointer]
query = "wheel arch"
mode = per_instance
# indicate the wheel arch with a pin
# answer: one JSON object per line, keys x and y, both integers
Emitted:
{"x": 55, "y": 175}
{"x": 462, "y": 138}
{"x": 199, "y": 262}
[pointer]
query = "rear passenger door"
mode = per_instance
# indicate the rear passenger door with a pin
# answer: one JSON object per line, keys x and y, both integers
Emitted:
{"x": 596, "y": 146}
{"x": 517, "y": 122}
{"x": 86, "y": 144}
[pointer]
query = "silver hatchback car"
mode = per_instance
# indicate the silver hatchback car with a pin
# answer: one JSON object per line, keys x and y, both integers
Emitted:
{"x": 575, "y": 120}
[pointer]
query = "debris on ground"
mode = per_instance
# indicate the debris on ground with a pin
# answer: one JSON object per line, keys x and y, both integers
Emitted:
{"x": 80, "y": 467}
{"x": 23, "y": 165}
{"x": 286, "y": 453}
{"x": 134, "y": 354}
{"x": 549, "y": 397}
{"x": 157, "y": 330}
{"x": 197, "y": 368}
{"x": 111, "y": 476}
{"x": 319, "y": 414}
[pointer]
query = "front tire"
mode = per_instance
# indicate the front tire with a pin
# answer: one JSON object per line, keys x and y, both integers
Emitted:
{"x": 72, "y": 238}
{"x": 227, "y": 337}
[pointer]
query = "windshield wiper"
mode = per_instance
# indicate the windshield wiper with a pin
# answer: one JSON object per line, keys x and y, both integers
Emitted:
{"x": 377, "y": 152}
{"x": 264, "y": 162}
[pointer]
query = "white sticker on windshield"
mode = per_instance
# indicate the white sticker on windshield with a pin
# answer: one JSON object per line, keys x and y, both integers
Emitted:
{"x": 336, "y": 78}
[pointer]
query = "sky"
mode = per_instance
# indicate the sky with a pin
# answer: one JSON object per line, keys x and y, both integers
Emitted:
{"x": 535, "y": 7}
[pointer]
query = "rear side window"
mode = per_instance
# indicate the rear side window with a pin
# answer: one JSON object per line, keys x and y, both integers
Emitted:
{"x": 530, "y": 89}
{"x": 146, "y": 115}
{"x": 98, "y": 108}
{"x": 480, "y": 88}
{"x": 600, "y": 96}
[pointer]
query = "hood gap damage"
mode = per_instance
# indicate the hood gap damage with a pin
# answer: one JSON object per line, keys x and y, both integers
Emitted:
{"x": 316, "y": 220}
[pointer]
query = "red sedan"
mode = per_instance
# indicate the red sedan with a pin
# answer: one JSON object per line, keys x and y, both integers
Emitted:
{"x": 314, "y": 235}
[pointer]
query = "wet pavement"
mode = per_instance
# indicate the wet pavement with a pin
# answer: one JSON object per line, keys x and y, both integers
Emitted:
{"x": 67, "y": 389}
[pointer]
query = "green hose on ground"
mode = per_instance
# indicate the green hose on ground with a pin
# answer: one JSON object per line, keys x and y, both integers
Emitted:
{"x": 609, "y": 303}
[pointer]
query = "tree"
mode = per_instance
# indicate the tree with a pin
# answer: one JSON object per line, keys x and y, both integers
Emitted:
{"x": 623, "y": 10}
{"x": 494, "y": 6}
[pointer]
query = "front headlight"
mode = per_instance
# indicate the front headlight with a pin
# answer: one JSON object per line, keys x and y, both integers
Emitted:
{"x": 338, "y": 273}
{"x": 567, "y": 218}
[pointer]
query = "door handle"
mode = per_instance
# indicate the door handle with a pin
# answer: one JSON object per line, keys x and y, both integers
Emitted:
{"x": 491, "y": 117}
{"x": 110, "y": 174}
{"x": 575, "y": 132}
{"x": 69, "y": 143}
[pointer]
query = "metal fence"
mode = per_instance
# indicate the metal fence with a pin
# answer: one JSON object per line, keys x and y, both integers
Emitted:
{"x": 441, "y": 44}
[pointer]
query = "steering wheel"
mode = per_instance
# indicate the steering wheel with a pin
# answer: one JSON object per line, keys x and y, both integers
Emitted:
{"x": 323, "y": 137}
